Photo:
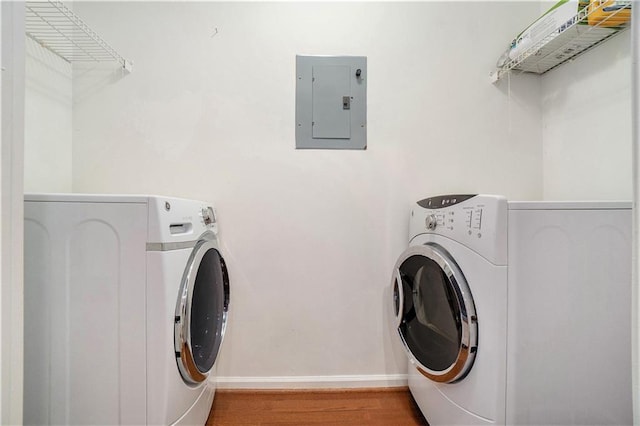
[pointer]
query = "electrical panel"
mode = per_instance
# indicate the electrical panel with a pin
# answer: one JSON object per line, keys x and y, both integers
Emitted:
{"x": 331, "y": 102}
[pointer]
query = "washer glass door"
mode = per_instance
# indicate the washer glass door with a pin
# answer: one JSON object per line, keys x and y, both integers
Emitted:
{"x": 435, "y": 313}
{"x": 201, "y": 312}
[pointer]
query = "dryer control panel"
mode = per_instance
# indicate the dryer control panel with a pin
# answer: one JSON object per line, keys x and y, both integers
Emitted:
{"x": 179, "y": 220}
{"x": 476, "y": 221}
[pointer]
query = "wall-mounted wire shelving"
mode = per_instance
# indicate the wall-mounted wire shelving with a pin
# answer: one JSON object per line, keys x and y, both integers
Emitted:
{"x": 55, "y": 27}
{"x": 565, "y": 43}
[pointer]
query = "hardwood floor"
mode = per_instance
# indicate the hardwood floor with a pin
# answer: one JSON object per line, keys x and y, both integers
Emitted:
{"x": 383, "y": 407}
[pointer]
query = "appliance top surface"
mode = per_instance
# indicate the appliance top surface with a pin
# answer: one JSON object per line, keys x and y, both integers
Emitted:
{"x": 449, "y": 201}
{"x": 169, "y": 220}
{"x": 95, "y": 198}
{"x": 569, "y": 205}
{"x": 480, "y": 221}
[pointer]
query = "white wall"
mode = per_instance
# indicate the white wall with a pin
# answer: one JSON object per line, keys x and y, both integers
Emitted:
{"x": 48, "y": 116}
{"x": 586, "y": 124}
{"x": 310, "y": 236}
{"x": 635, "y": 294}
{"x": 11, "y": 211}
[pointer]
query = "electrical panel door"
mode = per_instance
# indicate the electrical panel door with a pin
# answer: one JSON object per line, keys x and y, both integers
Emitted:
{"x": 331, "y": 102}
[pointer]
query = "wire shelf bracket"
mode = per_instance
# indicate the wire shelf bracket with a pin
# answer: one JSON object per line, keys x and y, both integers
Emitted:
{"x": 56, "y": 28}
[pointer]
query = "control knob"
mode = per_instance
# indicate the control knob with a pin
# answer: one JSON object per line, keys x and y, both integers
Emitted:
{"x": 208, "y": 216}
{"x": 431, "y": 221}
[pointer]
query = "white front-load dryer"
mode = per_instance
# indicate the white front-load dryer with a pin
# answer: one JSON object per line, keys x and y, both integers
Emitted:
{"x": 517, "y": 312}
{"x": 188, "y": 315}
{"x": 126, "y": 302}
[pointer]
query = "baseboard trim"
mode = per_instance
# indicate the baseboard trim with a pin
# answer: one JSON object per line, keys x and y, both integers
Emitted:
{"x": 313, "y": 382}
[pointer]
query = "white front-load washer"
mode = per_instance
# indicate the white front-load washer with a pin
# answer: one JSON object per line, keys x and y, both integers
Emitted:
{"x": 517, "y": 312}
{"x": 126, "y": 303}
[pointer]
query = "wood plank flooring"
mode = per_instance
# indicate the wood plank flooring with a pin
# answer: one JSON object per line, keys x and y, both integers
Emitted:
{"x": 376, "y": 407}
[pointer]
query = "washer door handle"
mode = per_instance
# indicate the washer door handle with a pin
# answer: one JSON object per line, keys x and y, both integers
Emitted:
{"x": 399, "y": 293}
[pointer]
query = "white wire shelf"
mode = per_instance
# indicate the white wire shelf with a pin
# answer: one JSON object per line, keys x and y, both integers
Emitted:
{"x": 55, "y": 27}
{"x": 562, "y": 44}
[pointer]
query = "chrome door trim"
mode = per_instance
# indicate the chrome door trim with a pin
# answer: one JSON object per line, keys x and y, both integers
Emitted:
{"x": 182, "y": 319}
{"x": 468, "y": 344}
{"x": 171, "y": 246}
{"x": 397, "y": 284}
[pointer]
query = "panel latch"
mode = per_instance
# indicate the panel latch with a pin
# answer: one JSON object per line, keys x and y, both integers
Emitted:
{"x": 346, "y": 102}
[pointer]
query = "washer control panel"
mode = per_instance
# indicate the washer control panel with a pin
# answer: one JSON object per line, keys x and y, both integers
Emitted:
{"x": 469, "y": 214}
{"x": 442, "y": 201}
{"x": 477, "y": 221}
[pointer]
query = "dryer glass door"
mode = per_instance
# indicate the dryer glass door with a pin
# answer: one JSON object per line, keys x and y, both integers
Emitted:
{"x": 435, "y": 313}
{"x": 201, "y": 312}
